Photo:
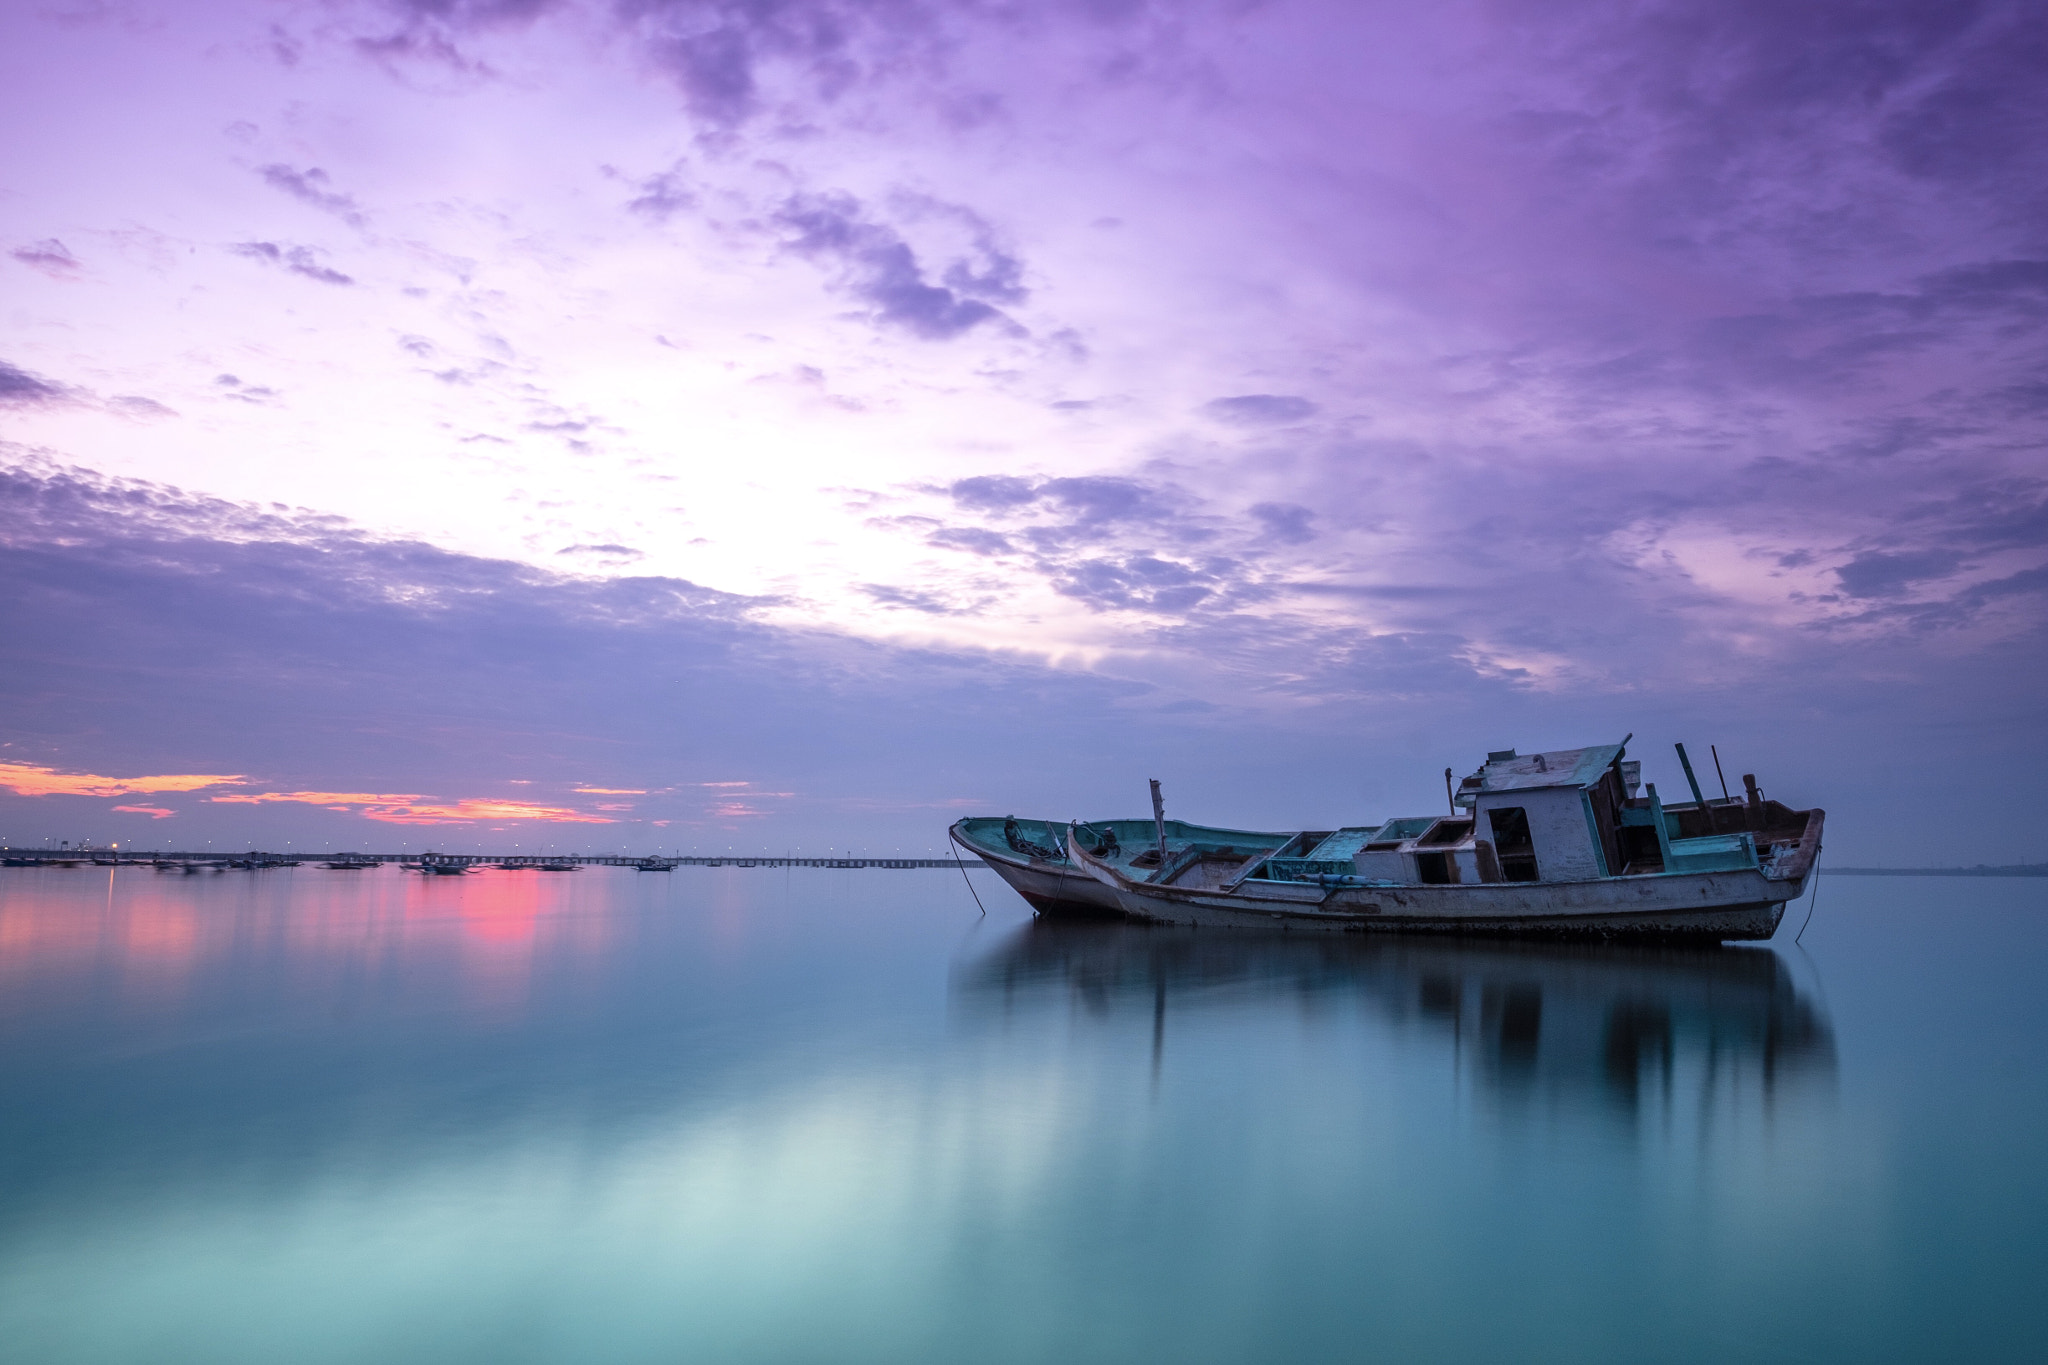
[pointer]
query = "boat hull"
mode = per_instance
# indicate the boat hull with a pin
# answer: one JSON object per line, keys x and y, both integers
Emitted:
{"x": 1057, "y": 890}
{"x": 1696, "y": 907}
{"x": 1054, "y": 889}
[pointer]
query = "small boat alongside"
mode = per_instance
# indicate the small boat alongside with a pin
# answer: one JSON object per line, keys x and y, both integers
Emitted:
{"x": 1555, "y": 845}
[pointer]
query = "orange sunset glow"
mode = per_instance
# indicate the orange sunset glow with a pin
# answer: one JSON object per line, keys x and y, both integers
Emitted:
{"x": 33, "y": 779}
{"x": 406, "y": 808}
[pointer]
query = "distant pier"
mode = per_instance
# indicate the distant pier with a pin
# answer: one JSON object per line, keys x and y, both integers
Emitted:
{"x": 258, "y": 860}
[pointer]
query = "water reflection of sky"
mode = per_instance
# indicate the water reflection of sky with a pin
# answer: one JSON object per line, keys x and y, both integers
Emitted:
{"x": 761, "y": 1115}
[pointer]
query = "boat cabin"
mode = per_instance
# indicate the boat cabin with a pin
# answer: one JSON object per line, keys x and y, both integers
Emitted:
{"x": 1573, "y": 814}
{"x": 1562, "y": 815}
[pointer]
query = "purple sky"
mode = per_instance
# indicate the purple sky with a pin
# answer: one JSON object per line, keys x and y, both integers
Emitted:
{"x": 801, "y": 421}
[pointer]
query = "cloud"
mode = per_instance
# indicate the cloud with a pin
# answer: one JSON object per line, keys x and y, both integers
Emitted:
{"x": 134, "y": 405}
{"x": 1289, "y": 523}
{"x": 930, "y": 603}
{"x": 31, "y": 779}
{"x": 473, "y": 810}
{"x": 153, "y": 812}
{"x": 412, "y": 809}
{"x": 299, "y": 647}
{"x": 974, "y": 539}
{"x": 1873, "y": 574}
{"x": 19, "y": 388}
{"x": 993, "y": 492}
{"x": 313, "y": 187}
{"x": 878, "y": 267}
{"x": 609, "y": 550}
{"x": 714, "y": 50}
{"x": 50, "y": 256}
{"x": 662, "y": 196}
{"x": 1075, "y": 504}
{"x": 300, "y": 260}
{"x": 1260, "y": 409}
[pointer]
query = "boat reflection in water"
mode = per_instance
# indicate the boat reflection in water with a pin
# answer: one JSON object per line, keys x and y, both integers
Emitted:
{"x": 1609, "y": 1027}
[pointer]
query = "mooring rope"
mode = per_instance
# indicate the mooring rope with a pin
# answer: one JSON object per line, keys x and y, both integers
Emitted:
{"x": 1811, "y": 901}
{"x": 969, "y": 880}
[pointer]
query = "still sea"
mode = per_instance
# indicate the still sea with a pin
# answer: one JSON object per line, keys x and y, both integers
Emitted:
{"x": 732, "y": 1115}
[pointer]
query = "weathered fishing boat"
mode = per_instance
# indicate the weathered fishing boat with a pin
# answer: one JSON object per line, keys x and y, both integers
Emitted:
{"x": 1555, "y": 844}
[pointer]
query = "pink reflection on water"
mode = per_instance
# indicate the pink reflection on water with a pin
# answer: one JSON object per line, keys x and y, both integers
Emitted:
{"x": 144, "y": 938}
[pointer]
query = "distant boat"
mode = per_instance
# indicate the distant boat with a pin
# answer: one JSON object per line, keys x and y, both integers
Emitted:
{"x": 1555, "y": 844}
{"x": 438, "y": 867}
{"x": 656, "y": 864}
{"x": 348, "y": 865}
{"x": 554, "y": 867}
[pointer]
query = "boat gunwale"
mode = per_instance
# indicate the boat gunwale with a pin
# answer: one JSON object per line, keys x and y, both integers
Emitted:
{"x": 1317, "y": 904}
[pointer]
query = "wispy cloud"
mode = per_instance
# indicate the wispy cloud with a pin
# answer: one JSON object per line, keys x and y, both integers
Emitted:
{"x": 313, "y": 187}
{"x": 31, "y": 779}
{"x": 412, "y": 809}
{"x": 49, "y": 256}
{"x": 878, "y": 267}
{"x": 19, "y": 388}
{"x": 300, "y": 260}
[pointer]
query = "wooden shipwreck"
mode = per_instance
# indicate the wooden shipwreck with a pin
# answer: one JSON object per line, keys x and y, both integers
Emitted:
{"x": 1556, "y": 844}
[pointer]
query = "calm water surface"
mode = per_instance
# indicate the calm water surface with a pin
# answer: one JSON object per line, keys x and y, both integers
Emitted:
{"x": 732, "y": 1115}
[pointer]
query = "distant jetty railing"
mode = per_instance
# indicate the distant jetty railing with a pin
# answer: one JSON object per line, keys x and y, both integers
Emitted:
{"x": 257, "y": 859}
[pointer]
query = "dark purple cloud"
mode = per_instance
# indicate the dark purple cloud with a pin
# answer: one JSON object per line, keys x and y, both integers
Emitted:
{"x": 1289, "y": 523}
{"x": 19, "y": 388}
{"x": 611, "y": 549}
{"x": 300, "y": 260}
{"x": 1260, "y": 409}
{"x": 715, "y": 50}
{"x": 879, "y": 268}
{"x": 662, "y": 196}
{"x": 974, "y": 539}
{"x": 50, "y": 256}
{"x": 313, "y": 187}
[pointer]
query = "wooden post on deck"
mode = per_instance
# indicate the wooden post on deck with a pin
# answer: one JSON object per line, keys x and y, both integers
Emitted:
{"x": 1159, "y": 819}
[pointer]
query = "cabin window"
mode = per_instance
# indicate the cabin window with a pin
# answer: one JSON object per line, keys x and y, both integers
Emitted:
{"x": 1435, "y": 869}
{"x": 1511, "y": 841}
{"x": 1448, "y": 832}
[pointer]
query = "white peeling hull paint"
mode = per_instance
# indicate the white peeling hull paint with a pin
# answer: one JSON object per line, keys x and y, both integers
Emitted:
{"x": 1706, "y": 905}
{"x": 1054, "y": 888}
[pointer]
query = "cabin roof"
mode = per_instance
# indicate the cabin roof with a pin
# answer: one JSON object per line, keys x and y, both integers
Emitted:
{"x": 1509, "y": 771}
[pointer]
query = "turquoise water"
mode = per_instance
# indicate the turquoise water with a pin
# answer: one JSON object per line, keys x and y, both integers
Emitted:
{"x": 752, "y": 1115}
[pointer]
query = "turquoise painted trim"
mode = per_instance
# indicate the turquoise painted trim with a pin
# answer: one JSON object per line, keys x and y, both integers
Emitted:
{"x": 1657, "y": 822}
{"x": 1713, "y": 853}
